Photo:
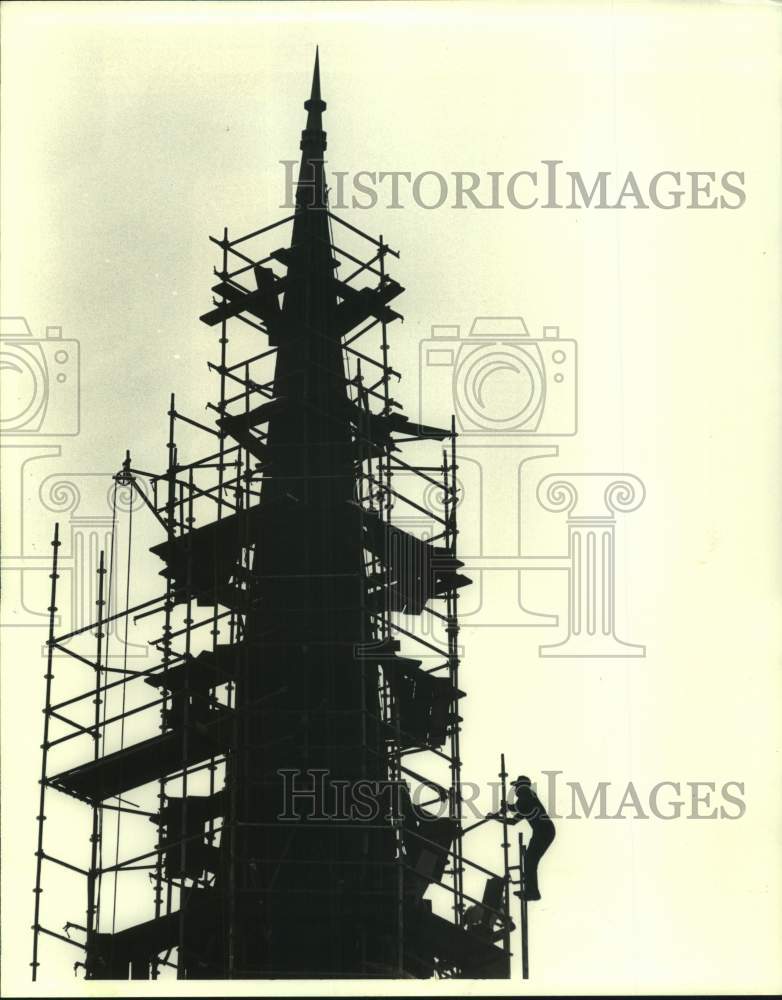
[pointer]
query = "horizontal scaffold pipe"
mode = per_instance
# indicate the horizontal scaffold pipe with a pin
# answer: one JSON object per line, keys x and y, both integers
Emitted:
{"x": 356, "y": 260}
{"x": 378, "y": 243}
{"x": 60, "y": 937}
{"x": 90, "y": 693}
{"x": 229, "y": 244}
{"x": 365, "y": 266}
{"x": 91, "y": 730}
{"x": 58, "y": 640}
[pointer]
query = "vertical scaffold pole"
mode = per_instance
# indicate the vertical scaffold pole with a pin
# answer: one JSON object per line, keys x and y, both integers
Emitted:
{"x": 362, "y": 402}
{"x": 385, "y": 474}
{"x": 166, "y": 650}
{"x": 452, "y": 628}
{"x": 524, "y": 922}
{"x": 234, "y": 635}
{"x": 92, "y": 877}
{"x": 185, "y": 742}
{"x": 505, "y": 854}
{"x": 44, "y": 750}
{"x": 215, "y": 630}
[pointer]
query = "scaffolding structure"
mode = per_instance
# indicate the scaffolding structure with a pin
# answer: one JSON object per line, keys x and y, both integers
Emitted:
{"x": 306, "y": 645}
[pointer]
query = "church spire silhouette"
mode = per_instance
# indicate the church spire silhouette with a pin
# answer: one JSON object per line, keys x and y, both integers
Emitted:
{"x": 280, "y": 648}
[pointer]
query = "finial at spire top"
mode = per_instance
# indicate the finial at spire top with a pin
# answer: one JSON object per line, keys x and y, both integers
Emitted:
{"x": 315, "y": 103}
{"x": 316, "y": 75}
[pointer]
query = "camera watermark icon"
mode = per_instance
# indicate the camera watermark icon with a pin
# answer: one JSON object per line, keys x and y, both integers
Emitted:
{"x": 516, "y": 400}
{"x": 41, "y": 403}
{"x": 503, "y": 381}
{"x": 40, "y": 381}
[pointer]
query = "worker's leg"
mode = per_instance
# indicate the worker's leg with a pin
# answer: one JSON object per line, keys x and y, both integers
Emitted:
{"x": 543, "y": 834}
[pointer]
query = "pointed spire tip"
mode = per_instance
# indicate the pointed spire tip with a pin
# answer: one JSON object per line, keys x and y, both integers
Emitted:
{"x": 315, "y": 103}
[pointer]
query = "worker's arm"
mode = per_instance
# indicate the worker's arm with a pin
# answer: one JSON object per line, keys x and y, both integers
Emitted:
{"x": 512, "y": 819}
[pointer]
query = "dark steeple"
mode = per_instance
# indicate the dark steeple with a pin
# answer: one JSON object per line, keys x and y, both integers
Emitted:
{"x": 315, "y": 105}
{"x": 313, "y": 146}
{"x": 310, "y": 368}
{"x": 310, "y": 583}
{"x": 264, "y": 871}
